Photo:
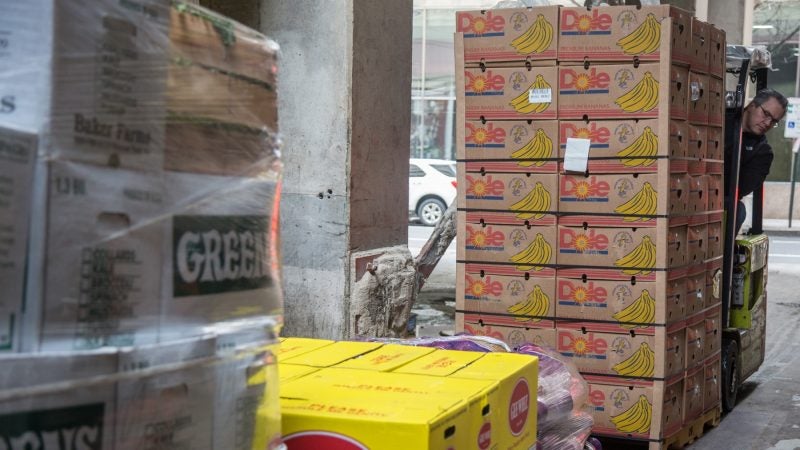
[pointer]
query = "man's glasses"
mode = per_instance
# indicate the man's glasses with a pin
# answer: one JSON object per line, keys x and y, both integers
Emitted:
{"x": 773, "y": 122}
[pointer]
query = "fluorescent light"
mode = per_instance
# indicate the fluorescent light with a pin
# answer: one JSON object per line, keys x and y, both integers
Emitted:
{"x": 763, "y": 27}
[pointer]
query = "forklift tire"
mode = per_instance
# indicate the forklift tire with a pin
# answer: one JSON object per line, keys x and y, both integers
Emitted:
{"x": 730, "y": 375}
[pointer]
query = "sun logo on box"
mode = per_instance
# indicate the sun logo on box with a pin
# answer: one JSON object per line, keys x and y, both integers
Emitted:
{"x": 476, "y": 26}
{"x": 581, "y": 347}
{"x": 484, "y": 84}
{"x": 485, "y": 136}
{"x": 484, "y": 188}
{"x": 477, "y": 288}
{"x": 580, "y": 295}
{"x": 484, "y": 238}
{"x": 583, "y": 190}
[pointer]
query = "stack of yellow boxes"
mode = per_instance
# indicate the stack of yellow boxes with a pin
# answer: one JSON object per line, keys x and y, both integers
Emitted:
{"x": 590, "y": 202}
{"x": 360, "y": 395}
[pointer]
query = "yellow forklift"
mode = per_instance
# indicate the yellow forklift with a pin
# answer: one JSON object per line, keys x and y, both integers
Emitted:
{"x": 744, "y": 270}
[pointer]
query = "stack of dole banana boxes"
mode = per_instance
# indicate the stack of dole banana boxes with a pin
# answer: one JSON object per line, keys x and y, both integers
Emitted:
{"x": 144, "y": 271}
{"x": 590, "y": 200}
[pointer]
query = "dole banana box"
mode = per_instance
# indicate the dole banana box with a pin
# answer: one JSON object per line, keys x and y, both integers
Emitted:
{"x": 715, "y": 239}
{"x": 636, "y": 408}
{"x": 699, "y": 93}
{"x": 17, "y": 156}
{"x": 631, "y": 251}
{"x": 700, "y": 43}
{"x": 713, "y": 282}
{"x": 716, "y": 193}
{"x": 511, "y": 93}
{"x": 510, "y": 146}
{"x": 695, "y": 340}
{"x": 402, "y": 388}
{"x": 171, "y": 405}
{"x": 515, "y": 337}
{"x": 696, "y": 243}
{"x": 598, "y": 349}
{"x": 622, "y": 33}
{"x": 511, "y": 34}
{"x": 294, "y": 346}
{"x": 56, "y": 398}
{"x": 523, "y": 248}
{"x": 332, "y": 354}
{"x": 693, "y": 393}
{"x": 696, "y": 202}
{"x": 337, "y": 419}
{"x": 716, "y": 52}
{"x": 493, "y": 298}
{"x": 529, "y": 196}
{"x": 622, "y": 91}
{"x": 713, "y": 340}
{"x": 94, "y": 274}
{"x": 714, "y": 143}
{"x": 221, "y": 251}
{"x": 386, "y": 358}
{"x": 626, "y": 146}
{"x": 628, "y": 305}
{"x": 698, "y": 138}
{"x": 512, "y": 396}
{"x": 716, "y": 102}
{"x": 695, "y": 289}
{"x": 712, "y": 383}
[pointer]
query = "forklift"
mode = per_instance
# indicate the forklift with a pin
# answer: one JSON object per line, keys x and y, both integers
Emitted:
{"x": 744, "y": 270}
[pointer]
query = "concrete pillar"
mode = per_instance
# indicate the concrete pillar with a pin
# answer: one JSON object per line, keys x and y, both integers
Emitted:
{"x": 344, "y": 87}
{"x": 728, "y": 15}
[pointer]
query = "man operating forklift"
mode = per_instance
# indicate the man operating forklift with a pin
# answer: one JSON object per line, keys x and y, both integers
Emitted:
{"x": 762, "y": 114}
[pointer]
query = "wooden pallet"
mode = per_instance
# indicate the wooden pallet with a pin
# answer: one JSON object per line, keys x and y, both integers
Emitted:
{"x": 688, "y": 434}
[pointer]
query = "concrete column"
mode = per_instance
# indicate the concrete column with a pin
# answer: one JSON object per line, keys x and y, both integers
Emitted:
{"x": 728, "y": 15}
{"x": 344, "y": 88}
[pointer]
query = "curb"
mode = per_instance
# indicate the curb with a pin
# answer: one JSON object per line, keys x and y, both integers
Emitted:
{"x": 783, "y": 232}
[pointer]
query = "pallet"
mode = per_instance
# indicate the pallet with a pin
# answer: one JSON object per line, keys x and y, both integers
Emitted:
{"x": 688, "y": 434}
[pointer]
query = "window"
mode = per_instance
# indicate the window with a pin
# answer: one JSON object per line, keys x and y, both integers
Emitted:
{"x": 415, "y": 172}
{"x": 446, "y": 169}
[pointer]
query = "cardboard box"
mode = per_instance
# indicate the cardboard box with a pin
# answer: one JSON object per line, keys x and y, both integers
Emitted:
{"x": 529, "y": 196}
{"x": 386, "y": 358}
{"x": 713, "y": 282}
{"x": 220, "y": 246}
{"x": 515, "y": 337}
{"x": 632, "y": 251}
{"x": 511, "y": 93}
{"x": 596, "y": 349}
{"x": 699, "y": 93}
{"x": 619, "y": 146}
{"x": 715, "y": 145}
{"x": 167, "y": 407}
{"x": 332, "y": 354}
{"x": 620, "y": 33}
{"x": 698, "y": 188}
{"x": 622, "y": 91}
{"x": 510, "y": 146}
{"x": 524, "y": 248}
{"x": 294, "y": 346}
{"x": 695, "y": 340}
{"x": 715, "y": 239}
{"x": 701, "y": 40}
{"x": 716, "y": 52}
{"x": 288, "y": 372}
{"x": 712, "y": 383}
{"x": 659, "y": 404}
{"x": 696, "y": 243}
{"x": 716, "y": 102}
{"x": 629, "y": 197}
{"x": 698, "y": 137}
{"x": 716, "y": 193}
{"x": 630, "y": 306}
{"x": 97, "y": 281}
{"x": 509, "y": 34}
{"x": 693, "y": 393}
{"x": 498, "y": 299}
{"x": 17, "y": 156}
{"x": 695, "y": 289}
{"x": 48, "y": 398}
{"x": 713, "y": 340}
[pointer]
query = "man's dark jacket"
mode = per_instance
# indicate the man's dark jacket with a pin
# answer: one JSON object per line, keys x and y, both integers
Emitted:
{"x": 755, "y": 163}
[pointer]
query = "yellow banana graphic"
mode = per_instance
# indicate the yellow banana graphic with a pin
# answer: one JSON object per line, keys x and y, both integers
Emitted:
{"x": 636, "y": 419}
{"x": 640, "y": 259}
{"x": 642, "y": 98}
{"x": 641, "y": 363}
{"x": 646, "y": 38}
{"x": 536, "y": 304}
{"x": 539, "y": 148}
{"x": 642, "y": 312}
{"x": 534, "y": 256}
{"x": 521, "y": 102}
{"x": 644, "y": 203}
{"x": 535, "y": 204}
{"x": 536, "y": 39}
{"x": 642, "y": 151}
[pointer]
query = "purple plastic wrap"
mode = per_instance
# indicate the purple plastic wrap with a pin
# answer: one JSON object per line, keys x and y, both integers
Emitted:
{"x": 570, "y": 433}
{"x": 465, "y": 342}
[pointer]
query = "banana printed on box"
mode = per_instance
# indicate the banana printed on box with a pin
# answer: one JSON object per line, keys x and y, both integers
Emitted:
{"x": 509, "y": 34}
{"x": 528, "y": 196}
{"x": 513, "y": 336}
{"x": 509, "y": 93}
{"x": 510, "y": 146}
{"x": 628, "y": 409}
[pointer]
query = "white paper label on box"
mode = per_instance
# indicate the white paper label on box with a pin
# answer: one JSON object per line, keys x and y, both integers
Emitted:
{"x": 576, "y": 155}
{"x": 540, "y": 96}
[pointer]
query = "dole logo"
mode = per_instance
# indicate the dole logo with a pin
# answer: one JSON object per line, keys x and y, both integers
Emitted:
{"x": 577, "y": 21}
{"x": 580, "y": 241}
{"x": 479, "y": 238}
{"x": 480, "y": 25}
{"x": 480, "y": 188}
{"x": 592, "y": 81}
{"x": 581, "y": 346}
{"x": 482, "y": 288}
{"x": 597, "y": 134}
{"x": 485, "y": 136}
{"x": 591, "y": 189}
{"x": 572, "y": 293}
{"x": 483, "y": 83}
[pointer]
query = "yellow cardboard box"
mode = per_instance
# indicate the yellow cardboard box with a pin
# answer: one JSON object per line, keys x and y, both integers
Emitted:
{"x": 386, "y": 358}
{"x": 330, "y": 355}
{"x": 288, "y": 372}
{"x": 294, "y": 346}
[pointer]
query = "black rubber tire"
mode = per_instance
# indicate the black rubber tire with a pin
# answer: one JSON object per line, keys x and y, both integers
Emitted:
{"x": 730, "y": 375}
{"x": 431, "y": 211}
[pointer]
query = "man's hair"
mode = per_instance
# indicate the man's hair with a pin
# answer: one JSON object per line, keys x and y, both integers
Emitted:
{"x": 766, "y": 94}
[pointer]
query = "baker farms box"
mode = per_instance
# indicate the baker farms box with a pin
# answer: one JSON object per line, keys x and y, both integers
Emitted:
{"x": 622, "y": 33}
{"x": 17, "y": 155}
{"x": 509, "y": 34}
{"x": 510, "y": 93}
{"x": 510, "y": 146}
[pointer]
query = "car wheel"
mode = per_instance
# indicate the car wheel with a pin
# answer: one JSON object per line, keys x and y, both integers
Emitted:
{"x": 730, "y": 375}
{"x": 431, "y": 211}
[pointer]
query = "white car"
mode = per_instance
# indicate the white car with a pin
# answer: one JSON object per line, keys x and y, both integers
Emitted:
{"x": 431, "y": 189}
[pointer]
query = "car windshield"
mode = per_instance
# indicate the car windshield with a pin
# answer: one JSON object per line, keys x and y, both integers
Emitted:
{"x": 446, "y": 169}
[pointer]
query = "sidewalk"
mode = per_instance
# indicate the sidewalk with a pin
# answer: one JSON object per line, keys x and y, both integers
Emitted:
{"x": 780, "y": 227}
